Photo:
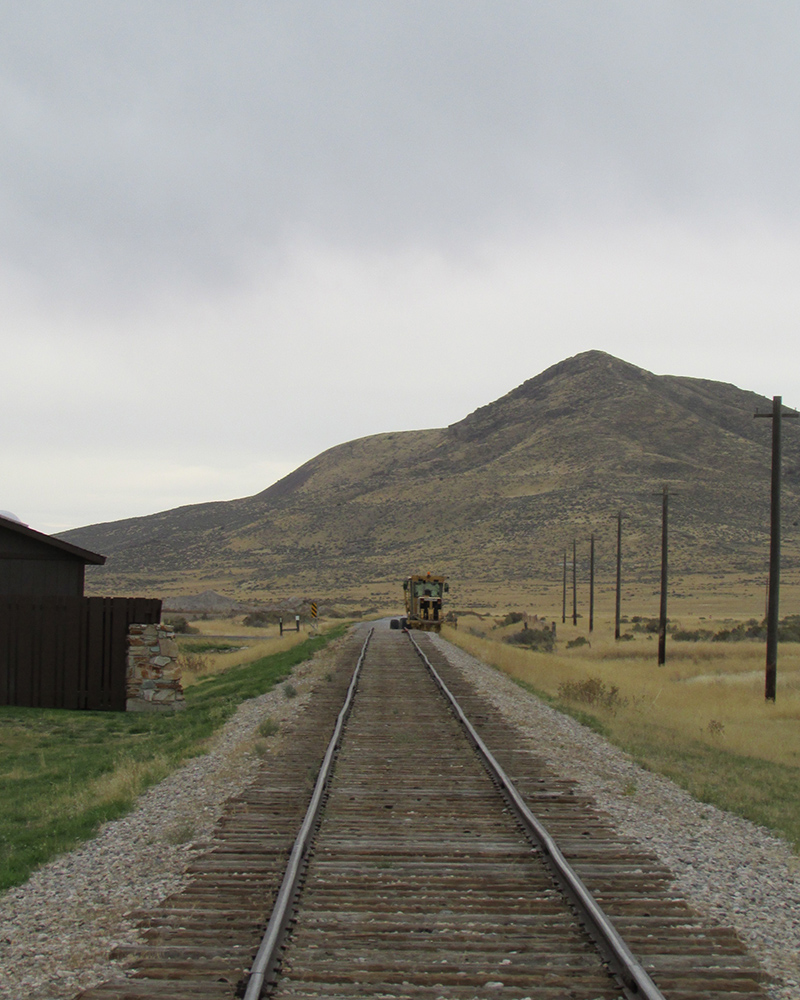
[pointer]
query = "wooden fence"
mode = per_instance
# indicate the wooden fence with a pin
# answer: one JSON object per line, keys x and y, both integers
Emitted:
{"x": 68, "y": 652}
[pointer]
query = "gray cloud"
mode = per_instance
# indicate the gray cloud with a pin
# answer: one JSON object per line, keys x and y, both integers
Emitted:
{"x": 225, "y": 225}
{"x": 151, "y": 143}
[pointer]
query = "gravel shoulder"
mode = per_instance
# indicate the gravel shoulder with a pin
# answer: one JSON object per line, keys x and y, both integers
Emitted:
{"x": 737, "y": 873}
{"x": 56, "y": 930}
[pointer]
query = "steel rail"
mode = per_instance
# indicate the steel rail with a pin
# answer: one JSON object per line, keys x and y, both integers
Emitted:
{"x": 266, "y": 960}
{"x": 612, "y": 947}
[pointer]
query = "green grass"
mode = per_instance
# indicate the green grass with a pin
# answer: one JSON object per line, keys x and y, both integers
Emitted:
{"x": 765, "y": 792}
{"x": 208, "y": 646}
{"x": 63, "y": 773}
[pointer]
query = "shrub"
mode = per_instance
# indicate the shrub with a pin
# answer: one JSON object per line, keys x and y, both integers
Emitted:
{"x": 258, "y": 619}
{"x": 686, "y": 635}
{"x": 649, "y": 625}
{"x": 180, "y": 625}
{"x": 512, "y": 618}
{"x": 581, "y": 640}
{"x": 751, "y": 629}
{"x": 290, "y": 691}
{"x": 540, "y": 639}
{"x": 592, "y": 691}
{"x": 179, "y": 833}
{"x": 268, "y": 727}
{"x": 789, "y": 629}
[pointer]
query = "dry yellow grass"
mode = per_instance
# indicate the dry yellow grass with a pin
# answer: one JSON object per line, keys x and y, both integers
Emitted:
{"x": 201, "y": 663}
{"x": 701, "y": 720}
{"x": 124, "y": 782}
{"x": 711, "y": 692}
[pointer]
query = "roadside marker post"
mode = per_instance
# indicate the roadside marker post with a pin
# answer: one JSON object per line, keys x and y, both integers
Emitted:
{"x": 296, "y": 624}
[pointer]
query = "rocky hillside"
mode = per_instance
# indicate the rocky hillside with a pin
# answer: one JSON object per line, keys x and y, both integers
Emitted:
{"x": 496, "y": 496}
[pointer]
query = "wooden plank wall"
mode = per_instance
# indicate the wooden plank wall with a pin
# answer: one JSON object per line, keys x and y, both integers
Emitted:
{"x": 68, "y": 652}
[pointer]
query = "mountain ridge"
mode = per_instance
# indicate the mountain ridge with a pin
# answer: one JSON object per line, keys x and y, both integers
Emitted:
{"x": 492, "y": 496}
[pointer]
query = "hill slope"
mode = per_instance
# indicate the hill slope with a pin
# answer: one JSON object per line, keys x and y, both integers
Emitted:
{"x": 496, "y": 496}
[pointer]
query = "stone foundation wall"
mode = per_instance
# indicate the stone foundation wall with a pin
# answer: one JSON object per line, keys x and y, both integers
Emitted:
{"x": 153, "y": 675}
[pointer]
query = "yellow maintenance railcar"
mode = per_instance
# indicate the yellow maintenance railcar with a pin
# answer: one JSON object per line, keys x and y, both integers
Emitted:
{"x": 424, "y": 596}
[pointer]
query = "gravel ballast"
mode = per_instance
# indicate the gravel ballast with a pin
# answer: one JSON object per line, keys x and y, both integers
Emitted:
{"x": 57, "y": 929}
{"x": 737, "y": 873}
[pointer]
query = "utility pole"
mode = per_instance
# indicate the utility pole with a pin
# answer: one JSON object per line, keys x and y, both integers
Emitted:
{"x": 662, "y": 617}
{"x": 591, "y": 584}
{"x": 777, "y": 415}
{"x": 574, "y": 586}
{"x": 619, "y": 576}
{"x": 564, "y": 593}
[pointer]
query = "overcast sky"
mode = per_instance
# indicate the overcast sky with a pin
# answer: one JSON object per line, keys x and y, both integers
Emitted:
{"x": 236, "y": 233}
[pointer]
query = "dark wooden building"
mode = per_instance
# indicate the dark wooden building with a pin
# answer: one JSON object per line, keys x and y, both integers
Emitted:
{"x": 33, "y": 564}
{"x": 59, "y": 649}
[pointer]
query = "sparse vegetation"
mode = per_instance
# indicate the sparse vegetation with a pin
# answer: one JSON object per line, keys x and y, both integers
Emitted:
{"x": 192, "y": 663}
{"x": 180, "y": 625}
{"x": 268, "y": 727}
{"x": 788, "y": 631}
{"x": 179, "y": 833}
{"x": 648, "y": 625}
{"x": 692, "y": 635}
{"x": 592, "y": 691}
{"x": 258, "y": 619}
{"x": 540, "y": 639}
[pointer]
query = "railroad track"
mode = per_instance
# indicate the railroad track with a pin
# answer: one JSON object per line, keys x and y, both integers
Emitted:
{"x": 424, "y": 877}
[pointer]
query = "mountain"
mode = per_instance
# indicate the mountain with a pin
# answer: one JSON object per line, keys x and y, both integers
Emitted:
{"x": 494, "y": 498}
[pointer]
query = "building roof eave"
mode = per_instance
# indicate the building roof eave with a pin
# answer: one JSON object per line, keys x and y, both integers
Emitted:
{"x": 74, "y": 550}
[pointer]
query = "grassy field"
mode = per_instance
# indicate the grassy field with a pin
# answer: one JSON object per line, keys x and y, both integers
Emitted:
{"x": 702, "y": 719}
{"x": 64, "y": 773}
{"x": 210, "y": 653}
